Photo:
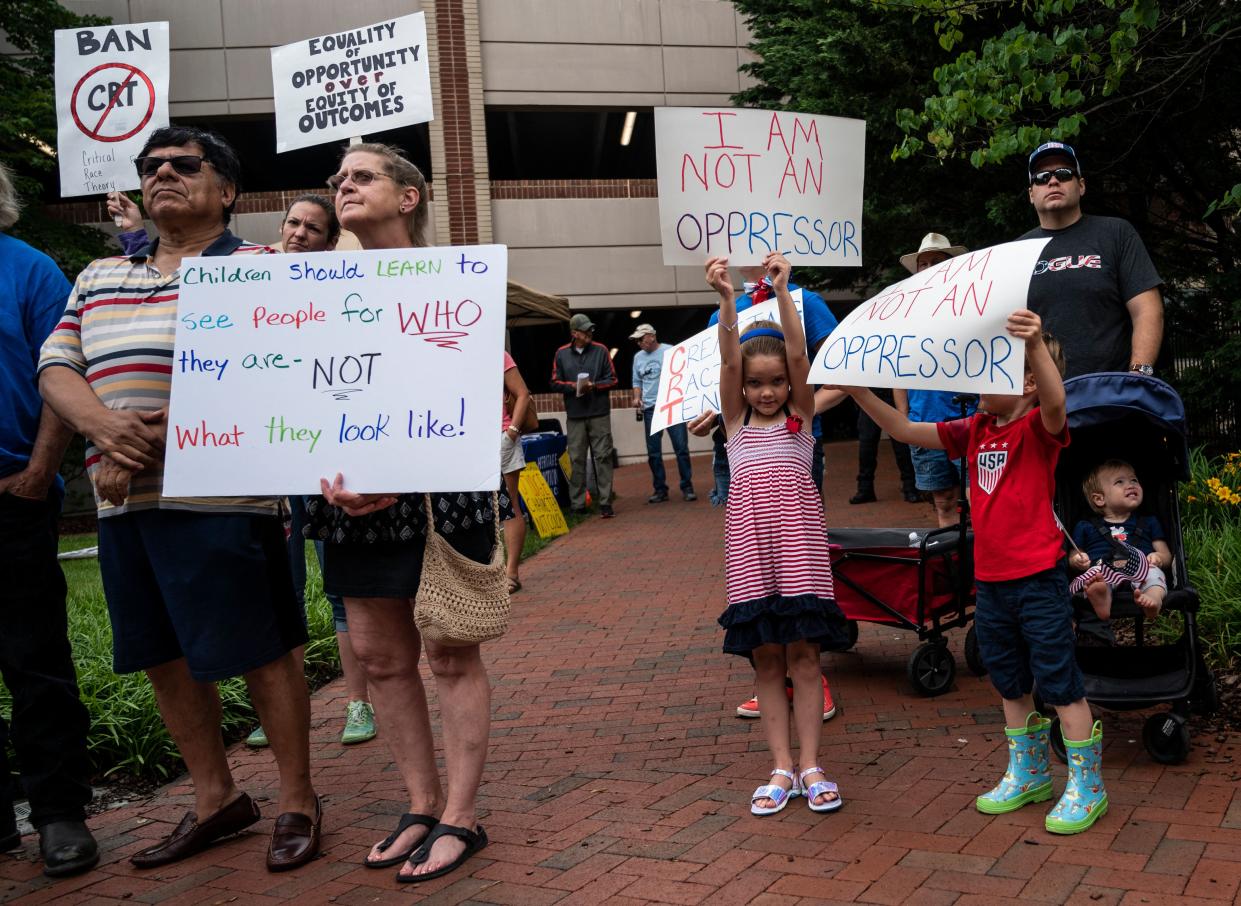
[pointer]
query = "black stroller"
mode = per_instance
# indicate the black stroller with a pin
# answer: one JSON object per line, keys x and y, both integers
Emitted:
{"x": 1141, "y": 420}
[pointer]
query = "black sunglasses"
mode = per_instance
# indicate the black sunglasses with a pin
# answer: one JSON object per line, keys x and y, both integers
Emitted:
{"x": 185, "y": 164}
{"x": 1043, "y": 177}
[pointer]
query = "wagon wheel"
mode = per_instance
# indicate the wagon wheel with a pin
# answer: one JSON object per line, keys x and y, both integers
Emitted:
{"x": 932, "y": 668}
{"x": 1056, "y": 737}
{"x": 1166, "y": 737}
{"x": 973, "y": 657}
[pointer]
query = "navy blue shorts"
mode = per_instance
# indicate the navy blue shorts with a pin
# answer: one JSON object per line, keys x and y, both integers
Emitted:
{"x": 214, "y": 588}
{"x": 1025, "y": 636}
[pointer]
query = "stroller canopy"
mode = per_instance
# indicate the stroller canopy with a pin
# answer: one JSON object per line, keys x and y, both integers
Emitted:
{"x": 1100, "y": 399}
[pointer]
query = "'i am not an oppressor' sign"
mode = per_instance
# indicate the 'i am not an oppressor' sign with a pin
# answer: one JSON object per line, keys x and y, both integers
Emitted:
{"x": 354, "y": 82}
{"x": 741, "y": 183}
{"x": 941, "y": 329}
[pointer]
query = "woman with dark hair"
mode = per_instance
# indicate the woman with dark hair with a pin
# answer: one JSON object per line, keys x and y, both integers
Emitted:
{"x": 373, "y": 558}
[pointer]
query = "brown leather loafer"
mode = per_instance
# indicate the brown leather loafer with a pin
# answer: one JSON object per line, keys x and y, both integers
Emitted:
{"x": 193, "y": 836}
{"x": 295, "y": 839}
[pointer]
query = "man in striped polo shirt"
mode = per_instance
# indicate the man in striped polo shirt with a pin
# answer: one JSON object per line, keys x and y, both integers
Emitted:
{"x": 198, "y": 589}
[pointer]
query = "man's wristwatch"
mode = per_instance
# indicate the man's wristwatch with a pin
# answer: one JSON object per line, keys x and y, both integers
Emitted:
{"x": 1143, "y": 369}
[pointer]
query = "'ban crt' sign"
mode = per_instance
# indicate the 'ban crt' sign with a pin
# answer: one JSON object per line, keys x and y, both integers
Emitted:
{"x": 111, "y": 93}
{"x": 742, "y": 183}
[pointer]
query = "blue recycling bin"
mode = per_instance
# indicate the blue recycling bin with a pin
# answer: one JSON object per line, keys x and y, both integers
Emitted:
{"x": 544, "y": 448}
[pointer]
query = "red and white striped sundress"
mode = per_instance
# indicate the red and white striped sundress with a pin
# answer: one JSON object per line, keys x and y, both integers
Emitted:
{"x": 779, "y": 573}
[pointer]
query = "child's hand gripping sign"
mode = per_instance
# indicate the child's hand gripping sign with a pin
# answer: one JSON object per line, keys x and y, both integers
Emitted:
{"x": 941, "y": 329}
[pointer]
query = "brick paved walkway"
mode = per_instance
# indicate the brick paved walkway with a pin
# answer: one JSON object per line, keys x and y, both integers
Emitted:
{"x": 619, "y": 774}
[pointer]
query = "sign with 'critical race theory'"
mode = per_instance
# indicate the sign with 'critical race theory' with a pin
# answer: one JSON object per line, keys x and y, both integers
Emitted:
{"x": 740, "y": 183}
{"x": 353, "y": 82}
{"x": 111, "y": 93}
{"x": 383, "y": 365}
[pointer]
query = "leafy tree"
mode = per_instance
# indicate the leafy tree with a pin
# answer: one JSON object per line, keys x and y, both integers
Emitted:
{"x": 1148, "y": 92}
{"x": 28, "y": 127}
{"x": 855, "y": 58}
{"x": 957, "y": 92}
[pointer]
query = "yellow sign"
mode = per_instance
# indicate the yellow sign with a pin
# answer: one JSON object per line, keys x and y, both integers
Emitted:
{"x": 541, "y": 502}
{"x": 565, "y": 465}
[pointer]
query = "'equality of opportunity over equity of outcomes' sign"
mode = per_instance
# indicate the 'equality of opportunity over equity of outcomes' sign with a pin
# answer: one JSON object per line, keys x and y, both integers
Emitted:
{"x": 351, "y": 83}
{"x": 111, "y": 93}
{"x": 689, "y": 381}
{"x": 744, "y": 182}
{"x": 941, "y": 329}
{"x": 383, "y": 365}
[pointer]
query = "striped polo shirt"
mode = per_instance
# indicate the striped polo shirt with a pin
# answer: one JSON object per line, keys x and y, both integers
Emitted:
{"x": 118, "y": 332}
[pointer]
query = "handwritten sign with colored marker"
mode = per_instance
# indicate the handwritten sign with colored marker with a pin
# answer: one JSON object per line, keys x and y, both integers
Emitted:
{"x": 942, "y": 329}
{"x": 385, "y": 366}
{"x": 111, "y": 93}
{"x": 354, "y": 82}
{"x": 689, "y": 382}
{"x": 743, "y": 182}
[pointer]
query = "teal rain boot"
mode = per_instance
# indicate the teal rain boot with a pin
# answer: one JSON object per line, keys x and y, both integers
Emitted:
{"x": 1028, "y": 778}
{"x": 1084, "y": 801}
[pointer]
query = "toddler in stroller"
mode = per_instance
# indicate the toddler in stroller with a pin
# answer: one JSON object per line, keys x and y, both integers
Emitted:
{"x": 1117, "y": 547}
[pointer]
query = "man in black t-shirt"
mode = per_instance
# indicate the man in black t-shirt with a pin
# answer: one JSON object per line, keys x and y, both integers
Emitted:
{"x": 1094, "y": 286}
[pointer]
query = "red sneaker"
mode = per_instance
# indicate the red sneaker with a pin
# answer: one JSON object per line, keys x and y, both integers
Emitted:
{"x": 829, "y": 707}
{"x": 750, "y": 708}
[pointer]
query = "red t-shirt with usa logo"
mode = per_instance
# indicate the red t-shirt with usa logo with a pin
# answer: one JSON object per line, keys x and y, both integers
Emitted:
{"x": 1012, "y": 484}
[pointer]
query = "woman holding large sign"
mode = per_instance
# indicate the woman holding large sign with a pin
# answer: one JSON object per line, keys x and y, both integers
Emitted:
{"x": 374, "y": 559}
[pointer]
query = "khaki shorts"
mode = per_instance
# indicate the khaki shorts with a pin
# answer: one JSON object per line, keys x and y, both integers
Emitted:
{"x": 512, "y": 457}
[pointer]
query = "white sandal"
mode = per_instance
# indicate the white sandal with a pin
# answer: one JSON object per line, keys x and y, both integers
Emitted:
{"x": 776, "y": 793}
{"x": 817, "y": 789}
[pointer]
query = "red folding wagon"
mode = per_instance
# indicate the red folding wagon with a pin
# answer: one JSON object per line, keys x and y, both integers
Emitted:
{"x": 913, "y": 579}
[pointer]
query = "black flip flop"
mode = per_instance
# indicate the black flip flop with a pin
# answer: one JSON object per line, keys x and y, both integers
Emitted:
{"x": 474, "y": 841}
{"x": 408, "y": 820}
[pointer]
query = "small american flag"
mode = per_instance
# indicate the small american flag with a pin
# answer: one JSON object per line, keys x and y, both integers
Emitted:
{"x": 1134, "y": 568}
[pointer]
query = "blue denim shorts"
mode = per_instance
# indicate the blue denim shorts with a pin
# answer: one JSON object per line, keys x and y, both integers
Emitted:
{"x": 214, "y": 588}
{"x": 1025, "y": 636}
{"x": 933, "y": 470}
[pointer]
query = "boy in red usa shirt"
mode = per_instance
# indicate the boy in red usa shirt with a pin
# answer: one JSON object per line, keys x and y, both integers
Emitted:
{"x": 1023, "y": 614}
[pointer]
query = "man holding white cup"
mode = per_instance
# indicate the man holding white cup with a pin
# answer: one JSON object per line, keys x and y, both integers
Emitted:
{"x": 582, "y": 370}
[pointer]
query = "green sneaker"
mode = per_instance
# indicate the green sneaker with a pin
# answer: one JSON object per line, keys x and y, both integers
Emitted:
{"x": 257, "y": 739}
{"x": 359, "y": 723}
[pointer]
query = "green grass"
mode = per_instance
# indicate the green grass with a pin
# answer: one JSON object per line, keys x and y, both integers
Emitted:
{"x": 1211, "y": 528}
{"x": 534, "y": 543}
{"x": 127, "y": 734}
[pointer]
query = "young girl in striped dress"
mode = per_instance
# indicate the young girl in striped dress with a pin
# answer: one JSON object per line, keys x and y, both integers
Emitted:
{"x": 781, "y": 607}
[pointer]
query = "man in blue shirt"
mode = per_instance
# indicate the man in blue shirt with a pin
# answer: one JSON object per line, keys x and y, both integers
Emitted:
{"x": 49, "y": 722}
{"x": 648, "y": 362}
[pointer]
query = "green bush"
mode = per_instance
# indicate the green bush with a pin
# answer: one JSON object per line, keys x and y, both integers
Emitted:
{"x": 1211, "y": 528}
{"x": 127, "y": 733}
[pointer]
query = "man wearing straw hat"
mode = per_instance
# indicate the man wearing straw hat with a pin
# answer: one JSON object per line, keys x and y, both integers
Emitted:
{"x": 934, "y": 472}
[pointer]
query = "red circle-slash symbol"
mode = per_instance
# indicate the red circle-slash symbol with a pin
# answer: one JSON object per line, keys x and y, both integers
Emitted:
{"x": 131, "y": 73}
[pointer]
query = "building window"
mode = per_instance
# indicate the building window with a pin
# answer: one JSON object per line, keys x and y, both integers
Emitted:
{"x": 570, "y": 144}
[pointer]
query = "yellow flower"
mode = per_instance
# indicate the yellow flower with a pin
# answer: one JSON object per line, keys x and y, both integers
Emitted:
{"x": 1191, "y": 498}
{"x": 1213, "y": 482}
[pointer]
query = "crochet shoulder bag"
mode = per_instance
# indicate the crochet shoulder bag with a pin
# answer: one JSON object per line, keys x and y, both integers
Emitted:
{"x": 461, "y": 601}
